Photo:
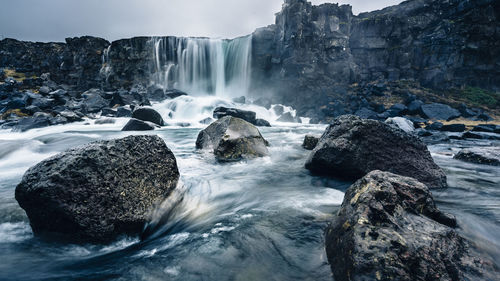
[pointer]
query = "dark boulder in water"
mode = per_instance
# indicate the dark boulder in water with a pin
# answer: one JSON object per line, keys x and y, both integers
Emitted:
{"x": 29, "y": 123}
{"x": 96, "y": 192}
{"x": 351, "y": 147}
{"x": 389, "y": 228}
{"x": 480, "y": 155}
{"x": 246, "y": 115}
{"x": 138, "y": 125}
{"x": 262, "y": 123}
{"x": 232, "y": 139}
{"x": 148, "y": 114}
{"x": 310, "y": 142}
{"x": 173, "y": 93}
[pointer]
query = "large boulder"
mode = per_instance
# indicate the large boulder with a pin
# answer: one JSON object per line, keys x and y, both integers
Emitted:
{"x": 96, "y": 192}
{"x": 246, "y": 115}
{"x": 149, "y": 115}
{"x": 438, "y": 111}
{"x": 232, "y": 139}
{"x": 389, "y": 228}
{"x": 351, "y": 147}
{"x": 480, "y": 155}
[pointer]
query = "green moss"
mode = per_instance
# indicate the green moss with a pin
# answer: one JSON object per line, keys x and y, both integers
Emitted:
{"x": 481, "y": 97}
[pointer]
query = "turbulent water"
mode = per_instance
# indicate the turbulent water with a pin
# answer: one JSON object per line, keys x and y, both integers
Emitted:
{"x": 260, "y": 219}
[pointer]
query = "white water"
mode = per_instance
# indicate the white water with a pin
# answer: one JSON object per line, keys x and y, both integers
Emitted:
{"x": 193, "y": 109}
{"x": 203, "y": 66}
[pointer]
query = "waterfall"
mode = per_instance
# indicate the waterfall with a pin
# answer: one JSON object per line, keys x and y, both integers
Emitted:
{"x": 203, "y": 66}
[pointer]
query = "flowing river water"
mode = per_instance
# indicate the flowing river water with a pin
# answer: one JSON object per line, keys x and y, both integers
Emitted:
{"x": 260, "y": 219}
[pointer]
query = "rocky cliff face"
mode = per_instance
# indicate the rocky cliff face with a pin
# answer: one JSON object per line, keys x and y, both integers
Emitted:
{"x": 316, "y": 50}
{"x": 75, "y": 63}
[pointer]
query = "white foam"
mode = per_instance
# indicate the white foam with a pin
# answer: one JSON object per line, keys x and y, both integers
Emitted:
{"x": 14, "y": 232}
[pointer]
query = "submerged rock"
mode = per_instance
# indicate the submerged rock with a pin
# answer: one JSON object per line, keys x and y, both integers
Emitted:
{"x": 232, "y": 139}
{"x": 310, "y": 142}
{"x": 96, "y": 192}
{"x": 479, "y": 155}
{"x": 389, "y": 228}
{"x": 148, "y": 114}
{"x": 351, "y": 147}
{"x": 139, "y": 125}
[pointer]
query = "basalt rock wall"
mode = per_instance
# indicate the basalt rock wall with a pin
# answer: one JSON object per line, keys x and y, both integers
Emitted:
{"x": 313, "y": 50}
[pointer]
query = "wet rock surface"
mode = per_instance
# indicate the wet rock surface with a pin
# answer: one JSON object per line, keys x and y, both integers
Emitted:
{"x": 98, "y": 191}
{"x": 351, "y": 147}
{"x": 480, "y": 155}
{"x": 232, "y": 139}
{"x": 389, "y": 228}
{"x": 149, "y": 115}
{"x": 139, "y": 125}
{"x": 310, "y": 142}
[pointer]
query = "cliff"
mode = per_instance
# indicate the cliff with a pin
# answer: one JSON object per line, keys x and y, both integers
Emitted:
{"x": 317, "y": 50}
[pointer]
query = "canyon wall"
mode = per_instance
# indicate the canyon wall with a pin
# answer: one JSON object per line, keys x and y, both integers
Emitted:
{"x": 316, "y": 50}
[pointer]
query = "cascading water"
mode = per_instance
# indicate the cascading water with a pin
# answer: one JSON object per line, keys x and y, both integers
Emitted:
{"x": 203, "y": 66}
{"x": 211, "y": 71}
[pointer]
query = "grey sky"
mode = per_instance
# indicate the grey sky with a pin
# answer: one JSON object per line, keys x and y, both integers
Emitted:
{"x": 54, "y": 20}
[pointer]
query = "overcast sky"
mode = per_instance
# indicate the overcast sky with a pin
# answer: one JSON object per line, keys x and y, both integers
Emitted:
{"x": 54, "y": 20}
